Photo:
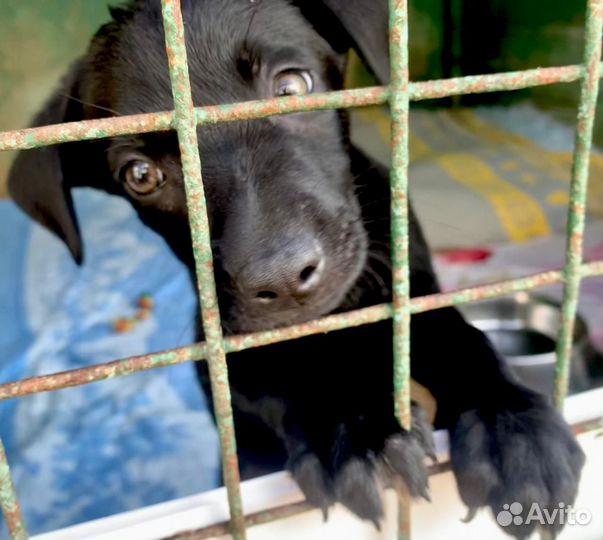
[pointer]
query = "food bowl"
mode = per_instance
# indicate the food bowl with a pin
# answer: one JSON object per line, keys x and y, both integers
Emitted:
{"x": 524, "y": 330}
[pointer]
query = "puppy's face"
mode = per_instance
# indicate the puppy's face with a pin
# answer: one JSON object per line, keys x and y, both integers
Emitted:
{"x": 285, "y": 223}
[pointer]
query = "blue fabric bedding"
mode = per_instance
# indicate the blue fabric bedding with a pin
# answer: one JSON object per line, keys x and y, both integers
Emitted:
{"x": 87, "y": 452}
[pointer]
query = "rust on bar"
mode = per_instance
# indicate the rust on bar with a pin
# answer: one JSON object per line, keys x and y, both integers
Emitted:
{"x": 578, "y": 194}
{"x": 496, "y": 82}
{"x": 23, "y": 139}
{"x": 495, "y": 290}
{"x": 404, "y": 516}
{"x": 258, "y": 518}
{"x": 127, "y": 366}
{"x": 100, "y": 372}
{"x": 9, "y": 501}
{"x": 399, "y": 106}
{"x": 400, "y": 239}
{"x": 186, "y": 126}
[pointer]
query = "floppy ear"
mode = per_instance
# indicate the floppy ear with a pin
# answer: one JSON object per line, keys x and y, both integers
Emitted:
{"x": 36, "y": 180}
{"x": 359, "y": 24}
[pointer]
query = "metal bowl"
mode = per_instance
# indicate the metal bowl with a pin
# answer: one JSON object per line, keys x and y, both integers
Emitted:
{"x": 524, "y": 329}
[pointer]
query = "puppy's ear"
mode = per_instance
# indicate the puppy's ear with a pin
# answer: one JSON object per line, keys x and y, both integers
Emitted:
{"x": 359, "y": 24}
{"x": 37, "y": 180}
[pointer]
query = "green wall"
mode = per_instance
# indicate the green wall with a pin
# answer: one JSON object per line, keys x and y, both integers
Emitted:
{"x": 38, "y": 40}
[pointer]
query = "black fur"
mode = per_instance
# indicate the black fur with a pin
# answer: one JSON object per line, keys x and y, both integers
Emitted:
{"x": 290, "y": 194}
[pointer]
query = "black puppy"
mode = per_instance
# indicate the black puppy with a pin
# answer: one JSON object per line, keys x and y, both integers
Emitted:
{"x": 300, "y": 227}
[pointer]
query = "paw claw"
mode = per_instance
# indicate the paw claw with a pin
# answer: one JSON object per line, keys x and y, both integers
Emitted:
{"x": 325, "y": 514}
{"x": 471, "y": 513}
{"x": 404, "y": 458}
{"x": 308, "y": 473}
{"x": 357, "y": 489}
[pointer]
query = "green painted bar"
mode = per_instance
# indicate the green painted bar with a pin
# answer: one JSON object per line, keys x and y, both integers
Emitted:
{"x": 578, "y": 193}
{"x": 23, "y": 139}
{"x": 127, "y": 366}
{"x": 186, "y": 125}
{"x": 9, "y": 501}
{"x": 399, "y": 105}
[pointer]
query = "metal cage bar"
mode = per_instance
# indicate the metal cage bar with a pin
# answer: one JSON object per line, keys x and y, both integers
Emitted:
{"x": 399, "y": 103}
{"x": 196, "y": 352}
{"x": 23, "y": 139}
{"x": 9, "y": 501}
{"x": 184, "y": 120}
{"x": 578, "y": 192}
{"x": 185, "y": 124}
{"x": 399, "y": 106}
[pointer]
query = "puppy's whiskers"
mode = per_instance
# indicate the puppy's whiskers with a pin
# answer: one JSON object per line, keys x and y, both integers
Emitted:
{"x": 380, "y": 258}
{"x": 93, "y": 105}
{"x": 369, "y": 271}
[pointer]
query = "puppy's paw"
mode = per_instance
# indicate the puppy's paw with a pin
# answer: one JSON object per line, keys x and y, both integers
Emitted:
{"x": 508, "y": 459}
{"x": 358, "y": 463}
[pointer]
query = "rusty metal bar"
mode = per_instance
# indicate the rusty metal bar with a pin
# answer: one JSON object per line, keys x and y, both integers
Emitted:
{"x": 398, "y": 179}
{"x": 257, "y": 518}
{"x": 404, "y": 516}
{"x": 9, "y": 501}
{"x": 23, "y": 139}
{"x": 186, "y": 126}
{"x": 593, "y": 36}
{"x": 399, "y": 106}
{"x": 495, "y": 82}
{"x": 127, "y": 366}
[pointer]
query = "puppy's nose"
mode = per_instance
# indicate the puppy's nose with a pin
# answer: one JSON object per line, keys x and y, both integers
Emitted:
{"x": 287, "y": 274}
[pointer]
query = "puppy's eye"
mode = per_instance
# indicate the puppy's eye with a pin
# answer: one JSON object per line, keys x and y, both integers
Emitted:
{"x": 293, "y": 82}
{"x": 142, "y": 177}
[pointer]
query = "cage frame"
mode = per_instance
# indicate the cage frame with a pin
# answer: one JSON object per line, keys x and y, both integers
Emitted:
{"x": 185, "y": 118}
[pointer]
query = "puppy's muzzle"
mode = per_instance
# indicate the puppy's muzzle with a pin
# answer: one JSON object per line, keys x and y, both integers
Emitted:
{"x": 285, "y": 274}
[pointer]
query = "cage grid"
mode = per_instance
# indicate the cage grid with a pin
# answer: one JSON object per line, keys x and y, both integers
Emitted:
{"x": 185, "y": 118}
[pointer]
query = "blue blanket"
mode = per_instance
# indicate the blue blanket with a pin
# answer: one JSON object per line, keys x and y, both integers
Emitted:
{"x": 87, "y": 452}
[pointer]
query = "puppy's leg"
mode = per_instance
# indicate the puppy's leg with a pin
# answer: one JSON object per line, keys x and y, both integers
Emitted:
{"x": 508, "y": 444}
